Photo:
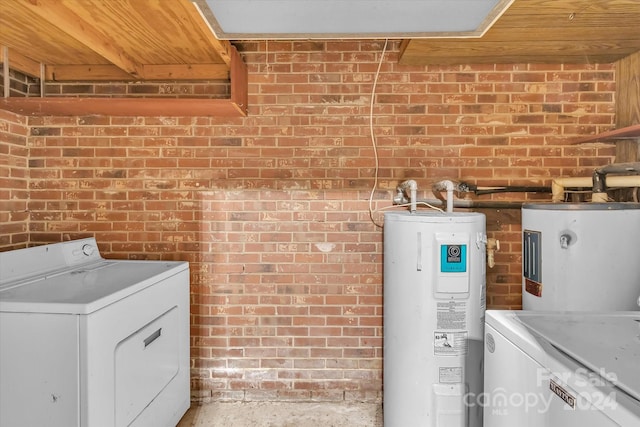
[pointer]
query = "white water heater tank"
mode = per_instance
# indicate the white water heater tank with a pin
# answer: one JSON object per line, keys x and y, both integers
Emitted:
{"x": 581, "y": 256}
{"x": 434, "y": 305}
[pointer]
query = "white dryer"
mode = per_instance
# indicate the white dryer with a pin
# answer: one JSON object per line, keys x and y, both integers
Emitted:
{"x": 90, "y": 342}
{"x": 545, "y": 369}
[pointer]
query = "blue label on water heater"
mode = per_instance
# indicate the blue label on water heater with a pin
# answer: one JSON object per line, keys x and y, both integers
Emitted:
{"x": 453, "y": 258}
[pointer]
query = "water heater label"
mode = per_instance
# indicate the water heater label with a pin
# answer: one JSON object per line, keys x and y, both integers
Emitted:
{"x": 450, "y": 375}
{"x": 452, "y": 314}
{"x": 453, "y": 258}
{"x": 449, "y": 343}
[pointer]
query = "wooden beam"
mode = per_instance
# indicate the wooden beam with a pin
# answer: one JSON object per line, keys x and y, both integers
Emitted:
{"x": 422, "y": 52}
{"x": 66, "y": 20}
{"x": 94, "y": 72}
{"x": 563, "y": 23}
{"x": 23, "y": 64}
{"x": 222, "y": 47}
{"x": 628, "y": 105}
{"x": 186, "y": 72}
{"x": 529, "y": 8}
{"x": 43, "y": 80}
{"x": 628, "y": 91}
{"x": 485, "y": 57}
{"x": 6, "y": 83}
{"x": 625, "y": 132}
{"x": 102, "y": 72}
{"x": 540, "y": 31}
{"x": 130, "y": 107}
{"x": 239, "y": 82}
{"x": 625, "y": 30}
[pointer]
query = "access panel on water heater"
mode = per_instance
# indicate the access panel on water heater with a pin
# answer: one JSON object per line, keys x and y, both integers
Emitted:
{"x": 453, "y": 265}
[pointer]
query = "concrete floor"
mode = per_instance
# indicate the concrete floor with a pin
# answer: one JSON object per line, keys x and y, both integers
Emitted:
{"x": 283, "y": 414}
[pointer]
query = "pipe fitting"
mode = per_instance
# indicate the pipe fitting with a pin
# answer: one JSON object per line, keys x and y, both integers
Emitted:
{"x": 412, "y": 186}
{"x": 493, "y": 245}
{"x": 599, "y": 182}
{"x": 449, "y": 186}
{"x": 600, "y": 178}
{"x": 558, "y": 185}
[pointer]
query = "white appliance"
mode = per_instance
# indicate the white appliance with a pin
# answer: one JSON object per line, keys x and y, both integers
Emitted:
{"x": 580, "y": 256}
{"x": 434, "y": 303}
{"x": 90, "y": 342}
{"x": 549, "y": 369}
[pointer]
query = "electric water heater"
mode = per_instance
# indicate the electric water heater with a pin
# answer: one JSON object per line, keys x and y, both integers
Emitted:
{"x": 580, "y": 256}
{"x": 434, "y": 305}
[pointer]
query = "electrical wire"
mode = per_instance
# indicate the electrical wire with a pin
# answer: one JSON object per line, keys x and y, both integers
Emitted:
{"x": 267, "y": 67}
{"x": 406, "y": 205}
{"x": 375, "y": 150}
{"x": 373, "y": 136}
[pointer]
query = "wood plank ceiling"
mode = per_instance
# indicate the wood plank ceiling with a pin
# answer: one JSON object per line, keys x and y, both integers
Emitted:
{"x": 138, "y": 40}
{"x": 115, "y": 40}
{"x": 541, "y": 31}
{"x": 159, "y": 40}
{"x": 112, "y": 40}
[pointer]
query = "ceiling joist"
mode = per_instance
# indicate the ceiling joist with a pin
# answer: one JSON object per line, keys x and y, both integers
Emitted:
{"x": 20, "y": 63}
{"x": 135, "y": 40}
{"x": 66, "y": 20}
{"x": 223, "y": 47}
{"x": 107, "y": 72}
{"x": 114, "y": 41}
{"x": 236, "y": 106}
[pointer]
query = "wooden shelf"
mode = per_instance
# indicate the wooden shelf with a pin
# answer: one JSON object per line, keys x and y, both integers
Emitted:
{"x": 629, "y": 132}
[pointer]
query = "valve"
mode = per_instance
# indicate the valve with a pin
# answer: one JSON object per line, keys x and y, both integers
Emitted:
{"x": 493, "y": 245}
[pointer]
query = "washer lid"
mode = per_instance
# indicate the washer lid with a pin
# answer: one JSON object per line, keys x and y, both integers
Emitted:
{"x": 86, "y": 288}
{"x": 590, "y": 206}
{"x": 607, "y": 344}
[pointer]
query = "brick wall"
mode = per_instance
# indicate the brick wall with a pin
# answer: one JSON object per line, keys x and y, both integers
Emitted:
{"x": 172, "y": 89}
{"x": 19, "y": 84}
{"x": 14, "y": 217}
{"x": 272, "y": 210}
{"x": 22, "y": 85}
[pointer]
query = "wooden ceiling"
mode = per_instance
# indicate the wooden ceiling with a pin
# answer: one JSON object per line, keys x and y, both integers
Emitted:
{"x": 138, "y": 40}
{"x": 111, "y": 40}
{"x": 541, "y": 31}
{"x": 117, "y": 40}
{"x": 169, "y": 40}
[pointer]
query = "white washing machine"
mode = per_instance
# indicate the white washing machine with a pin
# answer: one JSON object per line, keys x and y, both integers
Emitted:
{"x": 548, "y": 369}
{"x": 90, "y": 342}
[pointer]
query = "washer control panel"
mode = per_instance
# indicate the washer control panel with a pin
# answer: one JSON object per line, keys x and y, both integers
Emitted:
{"x": 36, "y": 261}
{"x": 80, "y": 251}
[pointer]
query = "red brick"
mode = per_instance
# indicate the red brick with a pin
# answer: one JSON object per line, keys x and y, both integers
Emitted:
{"x": 272, "y": 209}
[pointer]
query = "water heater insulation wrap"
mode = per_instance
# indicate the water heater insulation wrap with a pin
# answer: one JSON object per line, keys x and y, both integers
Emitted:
{"x": 581, "y": 256}
{"x": 434, "y": 304}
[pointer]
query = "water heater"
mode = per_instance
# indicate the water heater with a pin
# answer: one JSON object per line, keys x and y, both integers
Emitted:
{"x": 581, "y": 256}
{"x": 434, "y": 304}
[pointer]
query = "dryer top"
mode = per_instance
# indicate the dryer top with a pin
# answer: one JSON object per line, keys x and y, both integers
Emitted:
{"x": 72, "y": 277}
